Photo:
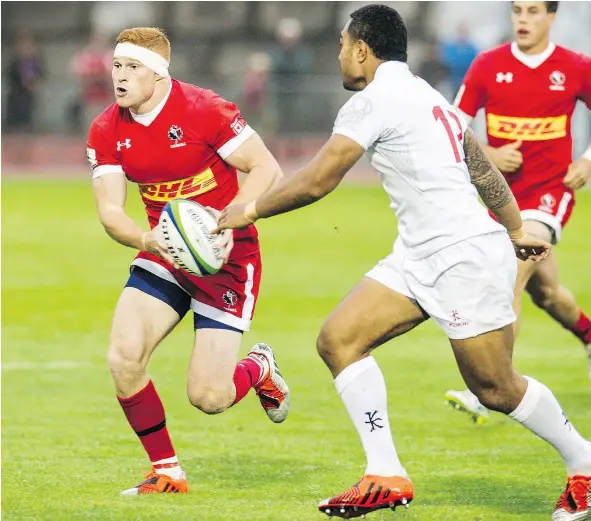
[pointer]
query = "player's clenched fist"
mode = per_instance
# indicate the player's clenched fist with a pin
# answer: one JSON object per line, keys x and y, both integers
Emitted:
{"x": 507, "y": 158}
{"x": 531, "y": 248}
{"x": 579, "y": 172}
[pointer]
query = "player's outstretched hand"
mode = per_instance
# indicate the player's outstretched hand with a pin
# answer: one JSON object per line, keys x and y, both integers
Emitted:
{"x": 232, "y": 216}
{"x": 532, "y": 248}
{"x": 507, "y": 158}
{"x": 225, "y": 241}
{"x": 153, "y": 243}
{"x": 579, "y": 172}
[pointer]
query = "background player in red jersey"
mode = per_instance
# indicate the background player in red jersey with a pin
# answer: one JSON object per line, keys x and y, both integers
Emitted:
{"x": 178, "y": 140}
{"x": 529, "y": 89}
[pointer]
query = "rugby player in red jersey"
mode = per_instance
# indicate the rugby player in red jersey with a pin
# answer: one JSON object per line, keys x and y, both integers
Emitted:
{"x": 529, "y": 89}
{"x": 176, "y": 140}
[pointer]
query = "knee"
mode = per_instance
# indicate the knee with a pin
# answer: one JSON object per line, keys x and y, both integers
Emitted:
{"x": 501, "y": 395}
{"x": 125, "y": 356}
{"x": 210, "y": 400}
{"x": 491, "y": 397}
{"x": 336, "y": 347}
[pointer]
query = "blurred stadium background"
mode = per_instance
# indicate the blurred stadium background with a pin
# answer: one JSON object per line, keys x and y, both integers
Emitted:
{"x": 277, "y": 60}
{"x": 66, "y": 449}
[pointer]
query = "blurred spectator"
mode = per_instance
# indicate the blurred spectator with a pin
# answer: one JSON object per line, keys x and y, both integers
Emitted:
{"x": 457, "y": 55}
{"x": 254, "y": 101}
{"x": 432, "y": 70}
{"x": 25, "y": 73}
{"x": 290, "y": 60}
{"x": 91, "y": 66}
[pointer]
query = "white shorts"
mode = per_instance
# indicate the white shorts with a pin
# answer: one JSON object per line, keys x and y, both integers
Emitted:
{"x": 467, "y": 288}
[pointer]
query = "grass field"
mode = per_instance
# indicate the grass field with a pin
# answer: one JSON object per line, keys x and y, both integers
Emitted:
{"x": 67, "y": 450}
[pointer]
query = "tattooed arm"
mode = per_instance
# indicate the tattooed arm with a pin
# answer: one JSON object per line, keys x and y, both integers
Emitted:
{"x": 492, "y": 187}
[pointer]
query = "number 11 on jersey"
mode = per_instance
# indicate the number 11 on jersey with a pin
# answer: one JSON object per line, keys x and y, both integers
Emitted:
{"x": 439, "y": 115}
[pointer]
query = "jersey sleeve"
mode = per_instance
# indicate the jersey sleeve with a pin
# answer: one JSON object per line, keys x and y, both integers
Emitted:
{"x": 102, "y": 157}
{"x": 585, "y": 69}
{"x": 225, "y": 128}
{"x": 359, "y": 119}
{"x": 471, "y": 96}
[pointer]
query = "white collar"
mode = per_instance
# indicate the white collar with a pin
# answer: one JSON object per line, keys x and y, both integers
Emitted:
{"x": 147, "y": 118}
{"x": 532, "y": 60}
{"x": 394, "y": 67}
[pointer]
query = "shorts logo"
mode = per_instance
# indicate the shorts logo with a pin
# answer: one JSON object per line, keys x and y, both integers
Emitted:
{"x": 183, "y": 188}
{"x": 526, "y": 129}
{"x": 557, "y": 79}
{"x": 175, "y": 133}
{"x": 456, "y": 321}
{"x": 547, "y": 203}
{"x": 230, "y": 299}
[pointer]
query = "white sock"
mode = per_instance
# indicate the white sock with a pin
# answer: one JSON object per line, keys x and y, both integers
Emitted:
{"x": 363, "y": 391}
{"x": 170, "y": 467}
{"x": 541, "y": 413}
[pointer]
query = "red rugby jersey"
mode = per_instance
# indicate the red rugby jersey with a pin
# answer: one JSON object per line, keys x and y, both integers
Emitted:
{"x": 534, "y": 105}
{"x": 180, "y": 154}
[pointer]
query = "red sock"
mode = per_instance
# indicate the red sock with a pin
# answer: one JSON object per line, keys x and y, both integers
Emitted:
{"x": 145, "y": 414}
{"x": 247, "y": 374}
{"x": 582, "y": 328}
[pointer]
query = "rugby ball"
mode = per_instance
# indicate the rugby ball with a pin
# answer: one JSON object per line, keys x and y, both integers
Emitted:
{"x": 186, "y": 230}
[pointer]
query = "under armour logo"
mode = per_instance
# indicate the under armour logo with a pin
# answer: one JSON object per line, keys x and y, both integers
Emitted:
{"x": 372, "y": 420}
{"x": 501, "y": 77}
{"x": 126, "y": 144}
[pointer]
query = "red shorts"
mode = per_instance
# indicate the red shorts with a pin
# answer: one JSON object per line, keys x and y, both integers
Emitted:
{"x": 230, "y": 295}
{"x": 550, "y": 205}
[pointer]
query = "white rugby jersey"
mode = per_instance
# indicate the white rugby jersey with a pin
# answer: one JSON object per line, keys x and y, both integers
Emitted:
{"x": 414, "y": 140}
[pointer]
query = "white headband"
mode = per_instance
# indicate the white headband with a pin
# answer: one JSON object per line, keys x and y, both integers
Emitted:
{"x": 149, "y": 58}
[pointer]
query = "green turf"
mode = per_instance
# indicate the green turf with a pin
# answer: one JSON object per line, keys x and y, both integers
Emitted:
{"x": 67, "y": 450}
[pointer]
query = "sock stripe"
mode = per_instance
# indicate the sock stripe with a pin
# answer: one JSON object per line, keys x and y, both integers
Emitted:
{"x": 150, "y": 430}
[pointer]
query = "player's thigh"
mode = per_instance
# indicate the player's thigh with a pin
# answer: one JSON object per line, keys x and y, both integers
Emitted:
{"x": 538, "y": 229}
{"x": 485, "y": 361}
{"x": 147, "y": 311}
{"x": 371, "y": 314}
{"x": 213, "y": 360}
{"x": 544, "y": 280}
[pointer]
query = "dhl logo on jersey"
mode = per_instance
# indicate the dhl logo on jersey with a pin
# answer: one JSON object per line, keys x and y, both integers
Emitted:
{"x": 183, "y": 188}
{"x": 526, "y": 129}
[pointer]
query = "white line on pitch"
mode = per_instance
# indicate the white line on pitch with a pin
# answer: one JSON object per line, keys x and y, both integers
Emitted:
{"x": 59, "y": 364}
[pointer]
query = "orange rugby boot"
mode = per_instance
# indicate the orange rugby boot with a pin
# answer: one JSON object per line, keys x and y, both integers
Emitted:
{"x": 155, "y": 483}
{"x": 271, "y": 389}
{"x": 575, "y": 502}
{"x": 370, "y": 494}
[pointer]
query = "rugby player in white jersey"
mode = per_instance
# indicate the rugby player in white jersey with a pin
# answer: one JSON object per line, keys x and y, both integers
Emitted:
{"x": 451, "y": 262}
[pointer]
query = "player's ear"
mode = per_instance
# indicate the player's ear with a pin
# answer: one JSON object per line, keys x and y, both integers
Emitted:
{"x": 361, "y": 51}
